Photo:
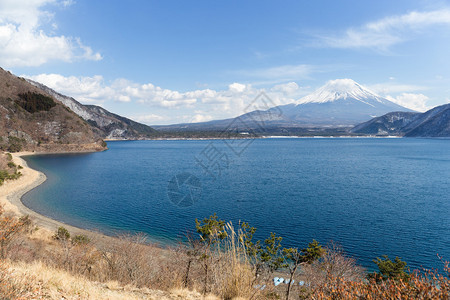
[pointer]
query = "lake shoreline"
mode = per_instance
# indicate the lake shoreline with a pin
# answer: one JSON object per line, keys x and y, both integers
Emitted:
{"x": 12, "y": 191}
{"x": 361, "y": 175}
{"x": 261, "y": 137}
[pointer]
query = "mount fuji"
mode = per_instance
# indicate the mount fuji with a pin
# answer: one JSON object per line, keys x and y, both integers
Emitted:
{"x": 339, "y": 103}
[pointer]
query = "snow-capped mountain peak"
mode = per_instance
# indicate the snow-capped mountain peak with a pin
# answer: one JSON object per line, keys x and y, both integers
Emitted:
{"x": 341, "y": 89}
{"x": 339, "y": 103}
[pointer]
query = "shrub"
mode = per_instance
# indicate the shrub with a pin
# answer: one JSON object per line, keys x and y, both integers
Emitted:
{"x": 427, "y": 285}
{"x": 10, "y": 227}
{"x": 389, "y": 269}
{"x": 15, "y": 144}
{"x": 4, "y": 175}
{"x": 62, "y": 234}
{"x": 34, "y": 102}
{"x": 129, "y": 261}
{"x": 26, "y": 223}
{"x": 80, "y": 240}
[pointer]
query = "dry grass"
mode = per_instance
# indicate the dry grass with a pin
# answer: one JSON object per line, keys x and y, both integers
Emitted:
{"x": 232, "y": 273}
{"x": 41, "y": 267}
{"x": 3, "y": 161}
{"x": 19, "y": 280}
{"x": 37, "y": 280}
{"x": 13, "y": 286}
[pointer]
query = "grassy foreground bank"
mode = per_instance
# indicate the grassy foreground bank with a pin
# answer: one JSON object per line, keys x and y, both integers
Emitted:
{"x": 218, "y": 261}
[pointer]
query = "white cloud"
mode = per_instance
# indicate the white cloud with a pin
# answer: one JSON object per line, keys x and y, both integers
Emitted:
{"x": 171, "y": 103}
{"x": 149, "y": 119}
{"x": 24, "y": 43}
{"x": 152, "y": 104}
{"x": 288, "y": 88}
{"x": 66, "y": 3}
{"x": 199, "y": 105}
{"x": 124, "y": 98}
{"x": 388, "y": 31}
{"x": 237, "y": 87}
{"x": 280, "y": 73}
{"x": 402, "y": 94}
{"x": 201, "y": 118}
{"x": 84, "y": 89}
{"x": 418, "y": 102}
{"x": 391, "y": 87}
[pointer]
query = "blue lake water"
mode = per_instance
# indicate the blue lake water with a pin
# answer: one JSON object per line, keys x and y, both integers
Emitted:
{"x": 372, "y": 196}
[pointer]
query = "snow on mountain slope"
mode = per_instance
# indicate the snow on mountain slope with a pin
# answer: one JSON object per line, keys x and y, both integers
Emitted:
{"x": 342, "y": 89}
{"x": 339, "y": 103}
{"x": 432, "y": 123}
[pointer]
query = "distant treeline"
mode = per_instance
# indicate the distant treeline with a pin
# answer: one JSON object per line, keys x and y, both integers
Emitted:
{"x": 273, "y": 131}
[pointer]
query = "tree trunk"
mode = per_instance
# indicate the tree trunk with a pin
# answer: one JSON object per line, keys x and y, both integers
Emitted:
{"x": 292, "y": 272}
{"x": 186, "y": 276}
{"x": 3, "y": 248}
{"x": 205, "y": 288}
{"x": 288, "y": 291}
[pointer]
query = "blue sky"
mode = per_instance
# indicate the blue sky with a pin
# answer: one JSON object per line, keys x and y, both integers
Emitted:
{"x": 162, "y": 62}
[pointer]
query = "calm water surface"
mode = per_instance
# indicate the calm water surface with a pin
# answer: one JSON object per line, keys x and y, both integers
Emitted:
{"x": 372, "y": 196}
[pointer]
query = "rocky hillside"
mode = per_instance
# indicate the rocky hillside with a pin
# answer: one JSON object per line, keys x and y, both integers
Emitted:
{"x": 33, "y": 120}
{"x": 107, "y": 124}
{"x": 433, "y": 123}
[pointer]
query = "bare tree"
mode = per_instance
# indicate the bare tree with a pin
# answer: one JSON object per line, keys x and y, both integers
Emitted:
{"x": 10, "y": 228}
{"x": 338, "y": 265}
{"x": 334, "y": 265}
{"x": 193, "y": 249}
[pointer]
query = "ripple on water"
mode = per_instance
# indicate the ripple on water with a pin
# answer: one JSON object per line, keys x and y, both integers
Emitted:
{"x": 371, "y": 196}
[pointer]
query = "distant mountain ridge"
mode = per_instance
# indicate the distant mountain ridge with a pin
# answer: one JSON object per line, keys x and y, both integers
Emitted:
{"x": 339, "y": 103}
{"x": 432, "y": 123}
{"x": 107, "y": 124}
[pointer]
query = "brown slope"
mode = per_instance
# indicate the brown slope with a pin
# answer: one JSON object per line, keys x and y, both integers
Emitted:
{"x": 107, "y": 124}
{"x": 32, "y": 120}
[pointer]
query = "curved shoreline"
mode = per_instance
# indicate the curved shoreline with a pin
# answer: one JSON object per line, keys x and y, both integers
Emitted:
{"x": 11, "y": 193}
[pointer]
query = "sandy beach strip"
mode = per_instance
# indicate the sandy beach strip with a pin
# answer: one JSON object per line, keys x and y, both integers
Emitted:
{"x": 11, "y": 193}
